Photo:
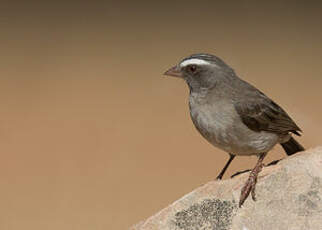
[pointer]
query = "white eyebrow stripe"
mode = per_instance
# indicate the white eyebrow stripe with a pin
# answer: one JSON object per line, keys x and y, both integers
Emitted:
{"x": 194, "y": 61}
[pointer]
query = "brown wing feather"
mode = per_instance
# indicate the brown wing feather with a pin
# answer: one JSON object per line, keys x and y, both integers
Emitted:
{"x": 266, "y": 115}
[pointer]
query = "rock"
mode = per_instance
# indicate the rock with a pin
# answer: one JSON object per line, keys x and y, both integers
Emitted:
{"x": 289, "y": 196}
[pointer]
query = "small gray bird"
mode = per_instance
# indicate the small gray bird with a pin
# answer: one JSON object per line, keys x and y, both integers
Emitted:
{"x": 233, "y": 115}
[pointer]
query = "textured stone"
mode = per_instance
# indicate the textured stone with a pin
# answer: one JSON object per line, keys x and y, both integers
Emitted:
{"x": 289, "y": 196}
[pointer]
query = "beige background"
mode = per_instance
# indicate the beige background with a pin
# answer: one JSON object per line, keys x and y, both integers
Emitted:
{"x": 93, "y": 136}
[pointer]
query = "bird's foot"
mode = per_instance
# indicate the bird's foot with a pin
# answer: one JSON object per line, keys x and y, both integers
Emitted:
{"x": 273, "y": 163}
{"x": 248, "y": 188}
{"x": 248, "y": 170}
{"x": 240, "y": 172}
{"x": 250, "y": 185}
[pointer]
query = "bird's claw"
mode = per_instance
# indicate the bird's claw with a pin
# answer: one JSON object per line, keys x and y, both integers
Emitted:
{"x": 253, "y": 192}
{"x": 249, "y": 188}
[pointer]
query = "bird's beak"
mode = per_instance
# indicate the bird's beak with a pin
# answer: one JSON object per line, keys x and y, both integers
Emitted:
{"x": 174, "y": 72}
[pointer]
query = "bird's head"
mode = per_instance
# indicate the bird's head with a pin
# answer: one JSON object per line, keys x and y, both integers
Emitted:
{"x": 200, "y": 70}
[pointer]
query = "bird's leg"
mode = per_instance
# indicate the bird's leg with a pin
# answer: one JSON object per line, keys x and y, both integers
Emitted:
{"x": 221, "y": 174}
{"x": 250, "y": 184}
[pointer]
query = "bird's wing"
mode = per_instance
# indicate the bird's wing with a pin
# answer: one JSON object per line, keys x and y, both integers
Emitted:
{"x": 262, "y": 114}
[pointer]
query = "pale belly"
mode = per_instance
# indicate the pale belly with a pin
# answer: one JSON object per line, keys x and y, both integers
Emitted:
{"x": 224, "y": 129}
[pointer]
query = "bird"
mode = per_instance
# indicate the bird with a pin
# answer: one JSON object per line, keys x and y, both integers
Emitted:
{"x": 233, "y": 115}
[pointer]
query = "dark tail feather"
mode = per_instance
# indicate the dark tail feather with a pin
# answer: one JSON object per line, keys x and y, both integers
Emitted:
{"x": 292, "y": 146}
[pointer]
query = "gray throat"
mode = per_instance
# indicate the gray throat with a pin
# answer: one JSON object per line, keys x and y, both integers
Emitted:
{"x": 199, "y": 96}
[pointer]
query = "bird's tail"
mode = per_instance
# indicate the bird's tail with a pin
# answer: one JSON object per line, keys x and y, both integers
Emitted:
{"x": 292, "y": 146}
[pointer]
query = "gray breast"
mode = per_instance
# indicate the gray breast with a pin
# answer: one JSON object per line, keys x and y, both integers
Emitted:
{"x": 219, "y": 123}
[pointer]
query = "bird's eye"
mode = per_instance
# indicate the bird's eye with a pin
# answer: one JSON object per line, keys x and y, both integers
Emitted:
{"x": 192, "y": 68}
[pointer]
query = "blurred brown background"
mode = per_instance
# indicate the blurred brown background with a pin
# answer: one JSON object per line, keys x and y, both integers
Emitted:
{"x": 93, "y": 136}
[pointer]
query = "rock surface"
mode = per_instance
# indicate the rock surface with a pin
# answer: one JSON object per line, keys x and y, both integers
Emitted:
{"x": 289, "y": 196}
